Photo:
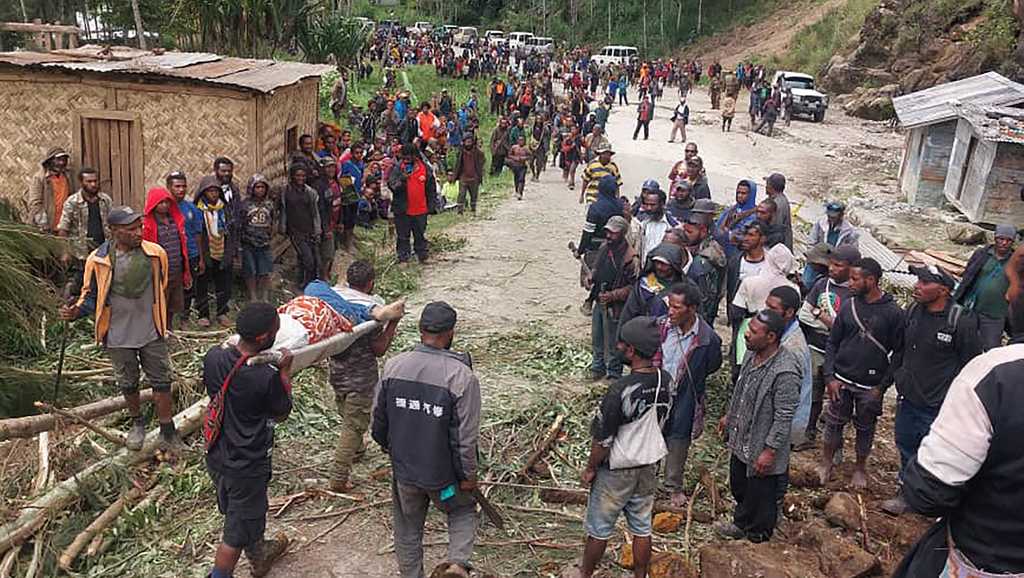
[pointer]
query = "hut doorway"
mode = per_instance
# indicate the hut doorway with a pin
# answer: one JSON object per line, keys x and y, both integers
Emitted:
{"x": 111, "y": 142}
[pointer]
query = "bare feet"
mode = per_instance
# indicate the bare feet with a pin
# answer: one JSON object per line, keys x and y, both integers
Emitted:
{"x": 824, "y": 472}
{"x": 860, "y": 479}
{"x": 389, "y": 312}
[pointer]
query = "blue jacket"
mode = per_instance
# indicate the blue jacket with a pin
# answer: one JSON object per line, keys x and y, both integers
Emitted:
{"x": 704, "y": 359}
{"x": 194, "y": 226}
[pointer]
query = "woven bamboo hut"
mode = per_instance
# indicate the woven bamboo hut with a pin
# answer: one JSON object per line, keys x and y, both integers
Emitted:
{"x": 138, "y": 115}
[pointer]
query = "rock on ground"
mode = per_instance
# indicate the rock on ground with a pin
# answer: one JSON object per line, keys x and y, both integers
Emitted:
{"x": 837, "y": 557}
{"x": 742, "y": 559}
{"x": 843, "y": 510}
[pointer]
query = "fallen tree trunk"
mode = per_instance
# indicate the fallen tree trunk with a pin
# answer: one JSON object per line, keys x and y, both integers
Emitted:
{"x": 67, "y": 558}
{"x": 115, "y": 438}
{"x": 60, "y": 496}
{"x": 28, "y": 426}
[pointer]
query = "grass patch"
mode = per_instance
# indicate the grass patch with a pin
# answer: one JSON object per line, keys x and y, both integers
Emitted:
{"x": 816, "y": 44}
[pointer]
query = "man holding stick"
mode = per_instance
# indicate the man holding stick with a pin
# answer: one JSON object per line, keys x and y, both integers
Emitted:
{"x": 124, "y": 286}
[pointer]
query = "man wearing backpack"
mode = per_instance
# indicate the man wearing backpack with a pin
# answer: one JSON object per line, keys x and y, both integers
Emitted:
{"x": 626, "y": 445}
{"x": 939, "y": 338}
{"x": 239, "y": 438}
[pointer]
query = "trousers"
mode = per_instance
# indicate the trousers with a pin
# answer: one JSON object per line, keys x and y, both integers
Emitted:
{"x": 860, "y": 406}
{"x": 409, "y": 509}
{"x": 646, "y": 125}
{"x": 611, "y": 364}
{"x": 473, "y": 190}
{"x": 354, "y": 408}
{"x": 757, "y": 501}
{"x": 678, "y": 127}
{"x": 912, "y": 424}
{"x": 675, "y": 463}
{"x": 416, "y": 227}
{"x": 217, "y": 277}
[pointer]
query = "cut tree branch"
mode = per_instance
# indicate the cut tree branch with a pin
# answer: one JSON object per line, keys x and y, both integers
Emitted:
{"x": 116, "y": 438}
{"x": 28, "y": 426}
{"x": 67, "y": 558}
{"x": 545, "y": 446}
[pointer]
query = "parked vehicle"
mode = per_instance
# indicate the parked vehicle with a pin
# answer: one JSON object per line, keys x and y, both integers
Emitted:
{"x": 807, "y": 100}
{"x": 466, "y": 35}
{"x": 517, "y": 40}
{"x": 421, "y": 27}
{"x": 616, "y": 55}
{"x": 540, "y": 45}
{"x": 495, "y": 37}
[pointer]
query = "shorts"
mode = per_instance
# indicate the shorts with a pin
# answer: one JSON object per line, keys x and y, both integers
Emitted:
{"x": 629, "y": 491}
{"x": 175, "y": 294}
{"x": 155, "y": 360}
{"x": 257, "y": 261}
{"x": 244, "y": 504}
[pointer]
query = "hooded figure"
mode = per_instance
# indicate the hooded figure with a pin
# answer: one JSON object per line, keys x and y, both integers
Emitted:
{"x": 605, "y": 207}
{"x": 150, "y": 229}
{"x": 732, "y": 224}
{"x": 753, "y": 291}
{"x": 647, "y": 295}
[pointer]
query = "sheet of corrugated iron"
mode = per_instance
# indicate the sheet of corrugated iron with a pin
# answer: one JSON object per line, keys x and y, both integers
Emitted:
{"x": 936, "y": 104}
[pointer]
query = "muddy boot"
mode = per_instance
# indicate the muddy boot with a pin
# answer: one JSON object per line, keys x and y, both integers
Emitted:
{"x": 340, "y": 485}
{"x": 896, "y": 505}
{"x": 728, "y": 530}
{"x": 137, "y": 436}
{"x": 455, "y": 571}
{"x": 170, "y": 441}
{"x": 263, "y": 555}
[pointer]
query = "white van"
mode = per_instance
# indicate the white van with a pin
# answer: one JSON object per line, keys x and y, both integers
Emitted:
{"x": 616, "y": 55}
{"x": 518, "y": 40}
{"x": 540, "y": 45}
{"x": 494, "y": 37}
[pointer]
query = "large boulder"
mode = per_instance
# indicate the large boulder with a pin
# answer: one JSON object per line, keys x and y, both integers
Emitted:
{"x": 873, "y": 103}
{"x": 843, "y": 510}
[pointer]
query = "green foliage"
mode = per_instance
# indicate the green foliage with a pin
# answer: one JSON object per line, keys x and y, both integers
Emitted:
{"x": 995, "y": 38}
{"x": 331, "y": 37}
{"x": 813, "y": 47}
{"x": 923, "y": 20}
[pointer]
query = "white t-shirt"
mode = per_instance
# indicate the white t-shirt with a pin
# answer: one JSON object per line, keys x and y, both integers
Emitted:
{"x": 750, "y": 268}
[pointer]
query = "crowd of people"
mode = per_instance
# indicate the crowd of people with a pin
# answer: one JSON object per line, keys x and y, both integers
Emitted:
{"x": 814, "y": 347}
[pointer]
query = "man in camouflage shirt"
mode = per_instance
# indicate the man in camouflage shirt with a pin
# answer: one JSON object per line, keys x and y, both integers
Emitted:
{"x": 354, "y": 374}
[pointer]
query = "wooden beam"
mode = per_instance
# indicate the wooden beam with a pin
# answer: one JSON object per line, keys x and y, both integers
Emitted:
{"x": 38, "y": 28}
{"x": 171, "y": 85}
{"x": 108, "y": 114}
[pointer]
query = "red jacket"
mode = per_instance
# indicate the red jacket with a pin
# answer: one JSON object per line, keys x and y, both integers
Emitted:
{"x": 155, "y": 196}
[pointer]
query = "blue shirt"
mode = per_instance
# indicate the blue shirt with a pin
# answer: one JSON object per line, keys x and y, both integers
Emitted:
{"x": 674, "y": 349}
{"x": 193, "y": 226}
{"x": 401, "y": 108}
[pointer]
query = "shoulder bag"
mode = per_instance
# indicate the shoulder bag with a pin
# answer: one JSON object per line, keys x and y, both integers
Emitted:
{"x": 640, "y": 442}
{"x": 214, "y": 419}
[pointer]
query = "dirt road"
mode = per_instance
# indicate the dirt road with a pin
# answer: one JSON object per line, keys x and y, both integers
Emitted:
{"x": 516, "y": 267}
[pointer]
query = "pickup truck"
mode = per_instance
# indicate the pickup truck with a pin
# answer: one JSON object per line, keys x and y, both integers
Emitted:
{"x": 807, "y": 100}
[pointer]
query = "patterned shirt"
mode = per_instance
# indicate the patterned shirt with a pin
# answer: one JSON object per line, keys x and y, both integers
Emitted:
{"x": 593, "y": 174}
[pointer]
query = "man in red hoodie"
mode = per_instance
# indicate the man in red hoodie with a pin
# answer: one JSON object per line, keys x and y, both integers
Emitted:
{"x": 164, "y": 224}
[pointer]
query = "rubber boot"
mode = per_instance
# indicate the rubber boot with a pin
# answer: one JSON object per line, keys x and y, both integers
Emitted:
{"x": 263, "y": 555}
{"x": 137, "y": 435}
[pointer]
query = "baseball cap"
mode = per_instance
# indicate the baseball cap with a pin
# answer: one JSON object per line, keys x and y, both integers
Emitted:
{"x": 933, "y": 274}
{"x": 438, "y": 317}
{"x": 1006, "y": 231}
{"x": 616, "y": 224}
{"x": 834, "y": 207}
{"x": 604, "y": 149}
{"x": 123, "y": 216}
{"x": 650, "y": 185}
{"x": 643, "y": 334}
{"x": 847, "y": 253}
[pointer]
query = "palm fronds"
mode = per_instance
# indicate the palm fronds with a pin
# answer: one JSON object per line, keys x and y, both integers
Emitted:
{"x": 329, "y": 37}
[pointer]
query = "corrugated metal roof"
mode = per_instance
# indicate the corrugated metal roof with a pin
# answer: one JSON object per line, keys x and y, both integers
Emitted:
{"x": 262, "y": 76}
{"x": 995, "y": 123}
{"x": 935, "y": 104}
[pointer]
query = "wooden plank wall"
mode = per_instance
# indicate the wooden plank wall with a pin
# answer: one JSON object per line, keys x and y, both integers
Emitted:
{"x": 1003, "y": 202}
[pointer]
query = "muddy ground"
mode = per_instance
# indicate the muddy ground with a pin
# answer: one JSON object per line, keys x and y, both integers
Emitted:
{"x": 515, "y": 269}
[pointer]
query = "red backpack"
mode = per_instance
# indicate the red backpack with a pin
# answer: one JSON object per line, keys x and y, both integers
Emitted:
{"x": 215, "y": 410}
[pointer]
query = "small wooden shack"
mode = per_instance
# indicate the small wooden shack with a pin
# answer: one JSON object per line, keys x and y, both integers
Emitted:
{"x": 986, "y": 168}
{"x": 930, "y": 119}
{"x": 138, "y": 115}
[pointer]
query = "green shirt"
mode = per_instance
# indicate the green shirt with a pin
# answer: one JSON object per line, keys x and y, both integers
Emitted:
{"x": 988, "y": 297}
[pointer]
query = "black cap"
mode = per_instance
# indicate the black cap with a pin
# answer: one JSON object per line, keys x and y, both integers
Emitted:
{"x": 437, "y": 317}
{"x": 643, "y": 334}
{"x": 933, "y": 274}
{"x": 123, "y": 216}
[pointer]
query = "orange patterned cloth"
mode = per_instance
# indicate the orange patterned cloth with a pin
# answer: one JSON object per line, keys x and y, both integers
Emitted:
{"x": 317, "y": 317}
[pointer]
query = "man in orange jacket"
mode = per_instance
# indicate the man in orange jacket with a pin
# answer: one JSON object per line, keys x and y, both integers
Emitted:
{"x": 125, "y": 288}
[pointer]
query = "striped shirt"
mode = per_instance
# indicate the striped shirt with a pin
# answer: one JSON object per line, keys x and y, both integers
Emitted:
{"x": 593, "y": 174}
